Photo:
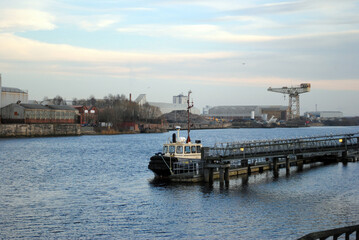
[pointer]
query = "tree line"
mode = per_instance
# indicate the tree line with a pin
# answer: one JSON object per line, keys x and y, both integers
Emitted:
{"x": 116, "y": 109}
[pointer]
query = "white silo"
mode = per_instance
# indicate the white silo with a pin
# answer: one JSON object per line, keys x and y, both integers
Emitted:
{"x": 252, "y": 115}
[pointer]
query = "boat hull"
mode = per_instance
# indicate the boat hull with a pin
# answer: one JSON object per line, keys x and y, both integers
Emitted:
{"x": 160, "y": 165}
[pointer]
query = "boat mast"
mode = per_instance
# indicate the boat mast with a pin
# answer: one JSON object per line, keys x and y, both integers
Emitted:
{"x": 188, "y": 121}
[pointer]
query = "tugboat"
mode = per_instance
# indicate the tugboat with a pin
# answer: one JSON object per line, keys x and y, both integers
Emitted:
{"x": 180, "y": 157}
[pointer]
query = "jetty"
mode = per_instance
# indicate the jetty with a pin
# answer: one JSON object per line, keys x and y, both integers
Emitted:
{"x": 237, "y": 158}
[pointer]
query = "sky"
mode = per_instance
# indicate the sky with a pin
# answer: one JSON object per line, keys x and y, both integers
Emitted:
{"x": 226, "y": 52}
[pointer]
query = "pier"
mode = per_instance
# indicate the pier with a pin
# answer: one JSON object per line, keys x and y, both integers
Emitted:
{"x": 236, "y": 158}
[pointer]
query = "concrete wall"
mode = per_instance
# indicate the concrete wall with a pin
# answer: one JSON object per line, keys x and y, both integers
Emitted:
{"x": 39, "y": 130}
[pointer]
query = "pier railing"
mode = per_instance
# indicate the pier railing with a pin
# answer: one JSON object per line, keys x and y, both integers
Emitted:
{"x": 284, "y": 147}
{"x": 351, "y": 232}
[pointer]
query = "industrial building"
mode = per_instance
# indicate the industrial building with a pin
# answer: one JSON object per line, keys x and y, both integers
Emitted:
{"x": 324, "y": 115}
{"x": 36, "y": 113}
{"x": 88, "y": 115}
{"x": 10, "y": 95}
{"x": 179, "y": 103}
{"x": 279, "y": 112}
{"x": 180, "y": 99}
{"x": 241, "y": 112}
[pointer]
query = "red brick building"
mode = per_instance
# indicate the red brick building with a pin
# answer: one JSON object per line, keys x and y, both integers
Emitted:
{"x": 88, "y": 115}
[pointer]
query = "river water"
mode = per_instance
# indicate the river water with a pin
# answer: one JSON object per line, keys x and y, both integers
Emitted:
{"x": 99, "y": 187}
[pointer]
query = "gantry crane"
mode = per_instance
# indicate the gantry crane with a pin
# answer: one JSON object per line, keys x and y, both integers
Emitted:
{"x": 293, "y": 92}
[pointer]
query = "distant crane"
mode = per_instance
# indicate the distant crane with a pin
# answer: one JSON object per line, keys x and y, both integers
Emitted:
{"x": 293, "y": 92}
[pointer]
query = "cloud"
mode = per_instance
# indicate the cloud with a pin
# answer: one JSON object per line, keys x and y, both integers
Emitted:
{"x": 289, "y": 7}
{"x": 213, "y": 4}
{"x": 206, "y": 32}
{"x": 95, "y": 23}
{"x": 14, "y": 20}
{"x": 263, "y": 82}
{"x": 18, "y": 49}
{"x": 270, "y": 8}
{"x": 199, "y": 32}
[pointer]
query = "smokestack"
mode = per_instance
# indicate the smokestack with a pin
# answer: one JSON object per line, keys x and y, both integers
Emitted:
{"x": 130, "y": 97}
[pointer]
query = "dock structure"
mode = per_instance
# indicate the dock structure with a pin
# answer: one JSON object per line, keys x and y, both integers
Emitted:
{"x": 235, "y": 158}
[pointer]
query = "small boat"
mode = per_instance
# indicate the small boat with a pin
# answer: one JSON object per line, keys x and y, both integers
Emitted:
{"x": 180, "y": 156}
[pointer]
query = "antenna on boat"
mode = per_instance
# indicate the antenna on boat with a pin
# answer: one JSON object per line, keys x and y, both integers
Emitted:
{"x": 188, "y": 121}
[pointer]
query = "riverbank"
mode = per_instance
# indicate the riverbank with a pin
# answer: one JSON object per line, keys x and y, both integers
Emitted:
{"x": 48, "y": 130}
{"x": 39, "y": 130}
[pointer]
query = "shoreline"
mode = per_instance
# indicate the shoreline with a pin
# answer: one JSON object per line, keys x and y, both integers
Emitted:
{"x": 49, "y": 130}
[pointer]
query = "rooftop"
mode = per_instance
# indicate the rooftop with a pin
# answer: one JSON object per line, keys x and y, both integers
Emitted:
{"x": 14, "y": 90}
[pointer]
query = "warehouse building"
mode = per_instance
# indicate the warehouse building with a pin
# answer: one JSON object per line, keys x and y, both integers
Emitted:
{"x": 243, "y": 112}
{"x": 324, "y": 115}
{"x": 36, "y": 113}
{"x": 10, "y": 95}
{"x": 231, "y": 112}
{"x": 179, "y": 103}
{"x": 279, "y": 112}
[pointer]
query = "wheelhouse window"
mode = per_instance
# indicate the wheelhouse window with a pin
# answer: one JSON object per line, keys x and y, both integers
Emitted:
{"x": 172, "y": 149}
{"x": 179, "y": 150}
{"x": 165, "y": 149}
{"x": 193, "y": 149}
{"x": 198, "y": 149}
{"x": 187, "y": 149}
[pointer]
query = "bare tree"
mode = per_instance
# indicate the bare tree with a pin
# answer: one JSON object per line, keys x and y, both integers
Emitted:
{"x": 58, "y": 100}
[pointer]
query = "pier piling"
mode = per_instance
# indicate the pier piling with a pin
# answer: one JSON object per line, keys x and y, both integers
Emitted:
{"x": 287, "y": 165}
{"x": 221, "y": 176}
{"x": 275, "y": 167}
{"x": 226, "y": 176}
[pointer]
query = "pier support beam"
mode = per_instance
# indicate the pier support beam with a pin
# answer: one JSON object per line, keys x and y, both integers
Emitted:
{"x": 226, "y": 176}
{"x": 300, "y": 165}
{"x": 221, "y": 176}
{"x": 287, "y": 165}
{"x": 244, "y": 162}
{"x": 270, "y": 165}
{"x": 275, "y": 167}
{"x": 208, "y": 175}
{"x": 345, "y": 157}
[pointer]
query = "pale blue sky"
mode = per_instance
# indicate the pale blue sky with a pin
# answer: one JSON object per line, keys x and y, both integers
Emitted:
{"x": 227, "y": 52}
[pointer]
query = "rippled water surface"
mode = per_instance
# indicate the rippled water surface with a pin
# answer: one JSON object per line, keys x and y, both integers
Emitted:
{"x": 99, "y": 187}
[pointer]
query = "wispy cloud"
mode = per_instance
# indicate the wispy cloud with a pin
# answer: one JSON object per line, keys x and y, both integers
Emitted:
{"x": 15, "y": 20}
{"x": 22, "y": 49}
{"x": 262, "y": 82}
{"x": 214, "y": 33}
{"x": 95, "y": 22}
{"x": 199, "y": 32}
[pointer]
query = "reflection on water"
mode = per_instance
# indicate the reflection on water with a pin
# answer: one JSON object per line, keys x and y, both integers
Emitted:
{"x": 100, "y": 187}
